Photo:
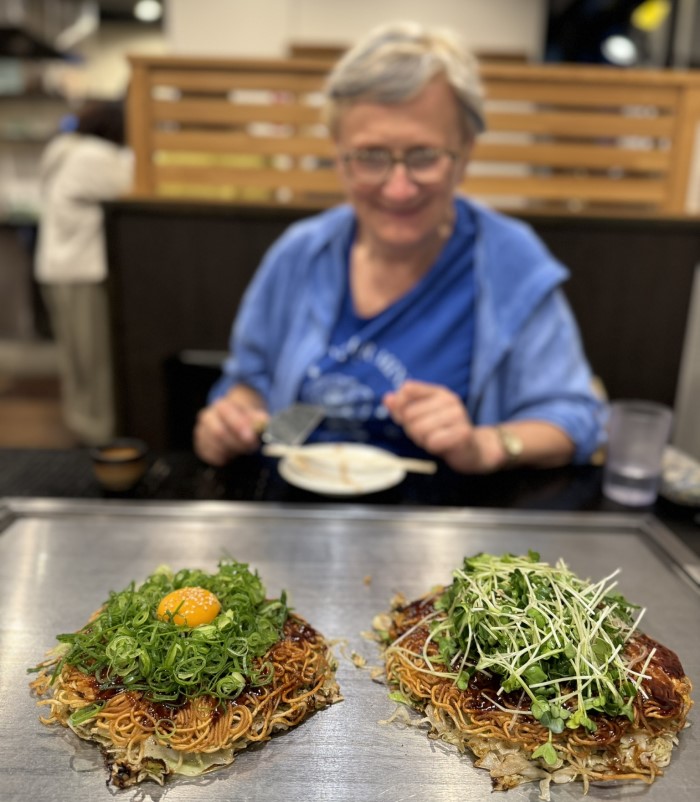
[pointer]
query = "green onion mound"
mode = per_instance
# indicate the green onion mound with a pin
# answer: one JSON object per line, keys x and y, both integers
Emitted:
{"x": 542, "y": 631}
{"x": 126, "y": 647}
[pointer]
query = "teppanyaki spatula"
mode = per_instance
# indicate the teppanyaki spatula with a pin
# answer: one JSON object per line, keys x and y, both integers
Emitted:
{"x": 293, "y": 425}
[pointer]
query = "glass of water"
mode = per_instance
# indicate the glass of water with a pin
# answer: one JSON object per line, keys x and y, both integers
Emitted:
{"x": 638, "y": 432}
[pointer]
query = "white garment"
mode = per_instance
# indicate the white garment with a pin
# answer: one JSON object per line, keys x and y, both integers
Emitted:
{"x": 77, "y": 172}
{"x": 80, "y": 319}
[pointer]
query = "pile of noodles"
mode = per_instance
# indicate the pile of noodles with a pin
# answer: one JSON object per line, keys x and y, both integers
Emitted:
{"x": 143, "y": 739}
{"x": 501, "y": 733}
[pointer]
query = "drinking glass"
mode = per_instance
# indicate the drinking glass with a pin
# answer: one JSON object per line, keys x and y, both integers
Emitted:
{"x": 638, "y": 432}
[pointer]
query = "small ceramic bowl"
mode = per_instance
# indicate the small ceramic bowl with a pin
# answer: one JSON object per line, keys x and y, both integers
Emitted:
{"x": 119, "y": 464}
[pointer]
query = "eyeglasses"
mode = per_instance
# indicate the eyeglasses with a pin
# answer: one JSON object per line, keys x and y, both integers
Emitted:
{"x": 373, "y": 166}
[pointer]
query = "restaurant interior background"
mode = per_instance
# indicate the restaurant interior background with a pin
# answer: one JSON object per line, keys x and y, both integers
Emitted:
{"x": 50, "y": 62}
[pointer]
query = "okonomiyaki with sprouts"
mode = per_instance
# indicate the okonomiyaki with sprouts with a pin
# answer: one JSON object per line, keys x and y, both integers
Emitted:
{"x": 543, "y": 676}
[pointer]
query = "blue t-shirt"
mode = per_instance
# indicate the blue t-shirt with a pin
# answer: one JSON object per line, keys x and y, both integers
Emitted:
{"x": 427, "y": 334}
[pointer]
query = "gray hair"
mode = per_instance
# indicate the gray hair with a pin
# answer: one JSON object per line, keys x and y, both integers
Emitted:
{"x": 394, "y": 62}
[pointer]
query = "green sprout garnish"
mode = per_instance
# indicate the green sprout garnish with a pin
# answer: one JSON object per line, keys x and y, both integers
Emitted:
{"x": 541, "y": 631}
{"x": 127, "y": 647}
{"x": 547, "y": 752}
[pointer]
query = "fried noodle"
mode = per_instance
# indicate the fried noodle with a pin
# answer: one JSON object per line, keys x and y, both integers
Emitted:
{"x": 498, "y": 728}
{"x": 133, "y": 729}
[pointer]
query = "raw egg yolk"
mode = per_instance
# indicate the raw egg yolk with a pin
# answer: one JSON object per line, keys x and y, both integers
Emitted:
{"x": 189, "y": 607}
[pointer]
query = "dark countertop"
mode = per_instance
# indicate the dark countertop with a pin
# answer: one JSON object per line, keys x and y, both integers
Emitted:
{"x": 181, "y": 476}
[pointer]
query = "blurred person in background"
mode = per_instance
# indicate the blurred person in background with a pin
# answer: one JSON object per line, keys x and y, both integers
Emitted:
{"x": 79, "y": 169}
{"x": 422, "y": 321}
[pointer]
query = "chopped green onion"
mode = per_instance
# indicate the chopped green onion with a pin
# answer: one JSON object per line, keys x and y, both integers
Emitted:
{"x": 85, "y": 714}
{"x": 127, "y": 647}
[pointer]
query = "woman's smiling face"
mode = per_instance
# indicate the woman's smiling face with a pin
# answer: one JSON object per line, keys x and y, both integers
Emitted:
{"x": 399, "y": 213}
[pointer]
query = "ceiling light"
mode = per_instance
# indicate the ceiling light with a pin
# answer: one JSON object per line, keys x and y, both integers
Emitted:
{"x": 148, "y": 10}
{"x": 651, "y": 15}
{"x": 620, "y": 50}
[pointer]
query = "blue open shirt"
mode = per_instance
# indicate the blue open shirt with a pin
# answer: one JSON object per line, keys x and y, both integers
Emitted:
{"x": 426, "y": 334}
{"x": 527, "y": 362}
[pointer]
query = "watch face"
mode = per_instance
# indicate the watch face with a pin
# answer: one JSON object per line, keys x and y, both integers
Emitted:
{"x": 512, "y": 444}
{"x": 515, "y": 444}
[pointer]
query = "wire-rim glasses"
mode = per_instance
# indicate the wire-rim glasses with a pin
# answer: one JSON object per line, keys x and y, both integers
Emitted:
{"x": 373, "y": 166}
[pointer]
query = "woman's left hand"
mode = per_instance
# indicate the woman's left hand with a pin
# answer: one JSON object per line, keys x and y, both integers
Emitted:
{"x": 436, "y": 420}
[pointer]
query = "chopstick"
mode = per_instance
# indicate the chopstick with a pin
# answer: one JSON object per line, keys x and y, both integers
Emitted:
{"x": 409, "y": 464}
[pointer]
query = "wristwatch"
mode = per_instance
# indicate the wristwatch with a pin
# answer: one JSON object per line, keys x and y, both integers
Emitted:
{"x": 512, "y": 444}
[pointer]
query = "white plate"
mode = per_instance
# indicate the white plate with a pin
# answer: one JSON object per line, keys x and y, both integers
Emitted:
{"x": 342, "y": 469}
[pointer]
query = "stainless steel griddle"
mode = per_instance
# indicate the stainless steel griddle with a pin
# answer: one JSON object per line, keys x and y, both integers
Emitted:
{"x": 340, "y": 566}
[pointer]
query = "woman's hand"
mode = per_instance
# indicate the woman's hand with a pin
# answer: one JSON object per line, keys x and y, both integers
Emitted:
{"x": 230, "y": 426}
{"x": 436, "y": 419}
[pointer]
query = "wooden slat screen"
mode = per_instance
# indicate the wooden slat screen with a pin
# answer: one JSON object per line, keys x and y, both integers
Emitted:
{"x": 560, "y": 137}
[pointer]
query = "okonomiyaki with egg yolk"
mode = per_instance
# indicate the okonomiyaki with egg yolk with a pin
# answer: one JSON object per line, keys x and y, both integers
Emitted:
{"x": 174, "y": 677}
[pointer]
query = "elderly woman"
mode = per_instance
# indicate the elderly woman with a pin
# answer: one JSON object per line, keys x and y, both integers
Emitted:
{"x": 422, "y": 321}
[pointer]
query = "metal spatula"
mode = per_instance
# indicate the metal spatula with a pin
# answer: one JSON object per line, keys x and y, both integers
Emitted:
{"x": 293, "y": 425}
